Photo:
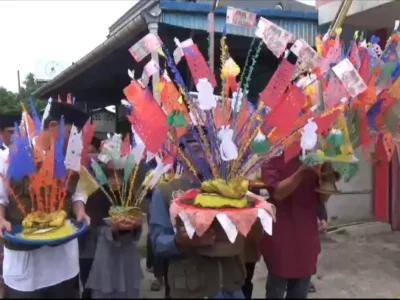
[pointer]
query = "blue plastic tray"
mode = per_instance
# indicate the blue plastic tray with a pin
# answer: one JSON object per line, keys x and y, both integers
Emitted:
{"x": 17, "y": 229}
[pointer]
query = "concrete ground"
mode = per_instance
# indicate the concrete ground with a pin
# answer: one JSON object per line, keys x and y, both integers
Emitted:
{"x": 359, "y": 262}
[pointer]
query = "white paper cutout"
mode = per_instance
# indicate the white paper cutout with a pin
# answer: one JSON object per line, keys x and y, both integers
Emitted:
{"x": 138, "y": 149}
{"x": 228, "y": 149}
{"x": 266, "y": 220}
{"x": 206, "y": 96}
{"x": 188, "y": 226}
{"x": 46, "y": 111}
{"x": 260, "y": 137}
{"x": 237, "y": 97}
{"x": 309, "y": 137}
{"x": 131, "y": 74}
{"x": 159, "y": 171}
{"x": 111, "y": 150}
{"x": 228, "y": 226}
{"x": 150, "y": 156}
{"x": 74, "y": 150}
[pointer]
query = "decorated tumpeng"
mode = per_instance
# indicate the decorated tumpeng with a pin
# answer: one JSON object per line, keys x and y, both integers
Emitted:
{"x": 41, "y": 174}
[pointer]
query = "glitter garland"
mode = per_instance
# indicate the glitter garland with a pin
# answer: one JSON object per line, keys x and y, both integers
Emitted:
{"x": 182, "y": 88}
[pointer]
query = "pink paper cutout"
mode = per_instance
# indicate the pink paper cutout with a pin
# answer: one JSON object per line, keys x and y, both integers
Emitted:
{"x": 276, "y": 87}
{"x": 334, "y": 92}
{"x": 201, "y": 220}
{"x": 244, "y": 221}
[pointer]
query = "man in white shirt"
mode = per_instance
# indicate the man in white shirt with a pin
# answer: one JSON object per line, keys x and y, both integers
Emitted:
{"x": 46, "y": 272}
{"x": 7, "y": 122}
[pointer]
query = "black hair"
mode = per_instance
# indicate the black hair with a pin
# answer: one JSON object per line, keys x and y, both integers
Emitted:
{"x": 71, "y": 114}
{"x": 9, "y": 120}
{"x": 96, "y": 142}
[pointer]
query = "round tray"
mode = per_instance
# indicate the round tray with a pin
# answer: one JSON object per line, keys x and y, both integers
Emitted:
{"x": 14, "y": 237}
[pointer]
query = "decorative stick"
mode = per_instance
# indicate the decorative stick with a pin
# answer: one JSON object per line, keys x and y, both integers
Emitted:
{"x": 63, "y": 193}
{"x": 132, "y": 183}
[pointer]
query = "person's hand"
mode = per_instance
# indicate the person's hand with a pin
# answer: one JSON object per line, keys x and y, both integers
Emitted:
{"x": 207, "y": 239}
{"x": 4, "y": 226}
{"x": 323, "y": 226}
{"x": 126, "y": 224}
{"x": 81, "y": 215}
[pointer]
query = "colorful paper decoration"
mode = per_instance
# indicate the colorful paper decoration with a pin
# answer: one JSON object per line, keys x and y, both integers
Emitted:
{"x": 148, "y": 119}
{"x": 198, "y": 66}
{"x": 74, "y": 150}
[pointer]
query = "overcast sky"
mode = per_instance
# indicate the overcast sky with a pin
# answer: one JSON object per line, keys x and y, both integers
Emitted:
{"x": 34, "y": 33}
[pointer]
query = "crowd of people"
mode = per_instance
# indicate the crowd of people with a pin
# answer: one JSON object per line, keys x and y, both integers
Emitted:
{"x": 106, "y": 264}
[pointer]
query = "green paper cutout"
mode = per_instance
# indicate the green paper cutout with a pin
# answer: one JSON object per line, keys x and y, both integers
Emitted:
{"x": 260, "y": 147}
{"x": 177, "y": 119}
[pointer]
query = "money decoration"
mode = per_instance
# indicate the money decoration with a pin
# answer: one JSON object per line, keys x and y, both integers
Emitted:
{"x": 307, "y": 57}
{"x": 239, "y": 17}
{"x": 148, "y": 44}
{"x": 350, "y": 78}
{"x": 275, "y": 37}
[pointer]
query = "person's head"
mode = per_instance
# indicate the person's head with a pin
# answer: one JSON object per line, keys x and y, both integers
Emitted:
{"x": 7, "y": 124}
{"x": 71, "y": 115}
{"x": 192, "y": 148}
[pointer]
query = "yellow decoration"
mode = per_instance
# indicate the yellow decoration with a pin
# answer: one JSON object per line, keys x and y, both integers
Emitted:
{"x": 233, "y": 189}
{"x": 356, "y": 35}
{"x": 319, "y": 45}
{"x": 336, "y": 158}
{"x": 216, "y": 201}
{"x": 160, "y": 86}
{"x": 161, "y": 52}
{"x": 341, "y": 124}
{"x": 338, "y": 31}
{"x": 65, "y": 230}
{"x": 230, "y": 68}
{"x": 180, "y": 100}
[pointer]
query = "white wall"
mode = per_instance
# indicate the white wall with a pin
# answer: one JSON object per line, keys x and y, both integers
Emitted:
{"x": 349, "y": 208}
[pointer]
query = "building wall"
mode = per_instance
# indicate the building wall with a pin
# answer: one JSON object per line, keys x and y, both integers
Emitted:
{"x": 359, "y": 207}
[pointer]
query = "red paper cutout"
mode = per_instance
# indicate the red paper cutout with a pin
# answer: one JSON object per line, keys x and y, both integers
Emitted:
{"x": 87, "y": 136}
{"x": 364, "y": 70}
{"x": 147, "y": 118}
{"x": 287, "y": 111}
{"x": 198, "y": 65}
{"x": 389, "y": 144}
{"x": 291, "y": 151}
{"x": 276, "y": 87}
{"x": 126, "y": 146}
{"x": 325, "y": 122}
{"x": 333, "y": 56}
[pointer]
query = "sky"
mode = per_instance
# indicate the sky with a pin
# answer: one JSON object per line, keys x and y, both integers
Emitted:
{"x": 36, "y": 33}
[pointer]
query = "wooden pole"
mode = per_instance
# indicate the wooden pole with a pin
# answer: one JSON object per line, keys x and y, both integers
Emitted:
{"x": 211, "y": 18}
{"x": 19, "y": 82}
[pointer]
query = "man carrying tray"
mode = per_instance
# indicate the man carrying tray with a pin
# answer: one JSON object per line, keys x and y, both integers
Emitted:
{"x": 43, "y": 272}
{"x": 191, "y": 275}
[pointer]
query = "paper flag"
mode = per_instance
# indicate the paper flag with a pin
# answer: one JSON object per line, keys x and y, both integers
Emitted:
{"x": 60, "y": 171}
{"x": 87, "y": 183}
{"x": 128, "y": 168}
{"x": 275, "y": 37}
{"x": 138, "y": 148}
{"x": 276, "y": 87}
{"x": 21, "y": 160}
{"x": 148, "y": 119}
{"x": 364, "y": 70}
{"x": 100, "y": 176}
{"x": 35, "y": 116}
{"x": 334, "y": 92}
{"x": 287, "y": 111}
{"x": 239, "y": 17}
{"x": 88, "y": 134}
{"x": 158, "y": 172}
{"x": 46, "y": 173}
{"x": 354, "y": 56}
{"x": 148, "y": 44}
{"x": 198, "y": 65}
{"x": 388, "y": 144}
{"x": 74, "y": 150}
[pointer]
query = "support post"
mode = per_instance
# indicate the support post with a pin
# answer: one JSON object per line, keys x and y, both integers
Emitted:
{"x": 152, "y": 19}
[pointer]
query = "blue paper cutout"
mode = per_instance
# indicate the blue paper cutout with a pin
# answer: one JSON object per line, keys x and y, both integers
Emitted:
{"x": 375, "y": 39}
{"x": 60, "y": 171}
{"x": 373, "y": 112}
{"x": 35, "y": 115}
{"x": 21, "y": 158}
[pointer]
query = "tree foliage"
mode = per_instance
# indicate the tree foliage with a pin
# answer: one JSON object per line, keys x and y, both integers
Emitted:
{"x": 11, "y": 102}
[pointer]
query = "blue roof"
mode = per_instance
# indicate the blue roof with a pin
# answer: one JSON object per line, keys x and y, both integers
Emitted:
{"x": 191, "y": 7}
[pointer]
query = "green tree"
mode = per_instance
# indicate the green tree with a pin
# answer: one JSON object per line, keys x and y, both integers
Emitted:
{"x": 11, "y": 102}
{"x": 8, "y": 101}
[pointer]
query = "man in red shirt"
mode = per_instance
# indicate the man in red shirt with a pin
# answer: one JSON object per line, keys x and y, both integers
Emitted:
{"x": 291, "y": 252}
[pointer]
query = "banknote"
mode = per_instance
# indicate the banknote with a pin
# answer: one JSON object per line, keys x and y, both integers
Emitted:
{"x": 148, "y": 44}
{"x": 275, "y": 37}
{"x": 350, "y": 78}
{"x": 240, "y": 17}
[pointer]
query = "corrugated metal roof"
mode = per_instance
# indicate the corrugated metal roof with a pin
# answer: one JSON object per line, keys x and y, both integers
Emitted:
{"x": 304, "y": 29}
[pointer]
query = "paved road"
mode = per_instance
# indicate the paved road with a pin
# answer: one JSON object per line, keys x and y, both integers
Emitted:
{"x": 349, "y": 267}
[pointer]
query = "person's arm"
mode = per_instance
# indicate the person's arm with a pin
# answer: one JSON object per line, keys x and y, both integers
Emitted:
{"x": 278, "y": 187}
{"x": 79, "y": 199}
{"x": 162, "y": 233}
{"x": 321, "y": 212}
